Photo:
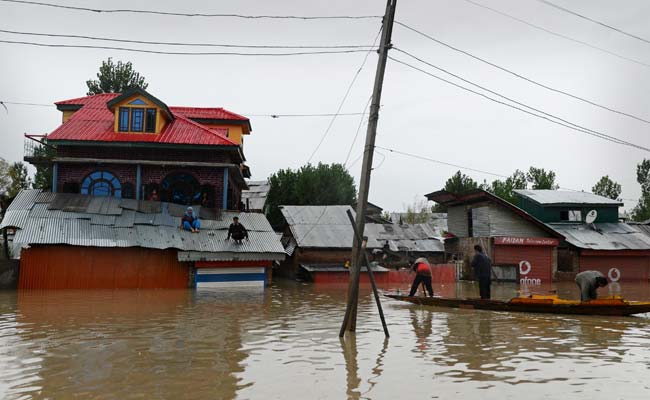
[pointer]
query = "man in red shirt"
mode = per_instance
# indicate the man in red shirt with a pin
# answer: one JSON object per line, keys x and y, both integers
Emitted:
{"x": 422, "y": 274}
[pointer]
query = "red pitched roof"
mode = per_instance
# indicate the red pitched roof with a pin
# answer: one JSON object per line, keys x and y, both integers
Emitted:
{"x": 95, "y": 122}
{"x": 207, "y": 113}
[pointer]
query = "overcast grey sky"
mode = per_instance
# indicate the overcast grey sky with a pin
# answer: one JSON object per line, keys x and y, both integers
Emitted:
{"x": 419, "y": 114}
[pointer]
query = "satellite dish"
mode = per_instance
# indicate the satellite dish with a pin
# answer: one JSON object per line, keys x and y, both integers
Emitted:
{"x": 591, "y": 216}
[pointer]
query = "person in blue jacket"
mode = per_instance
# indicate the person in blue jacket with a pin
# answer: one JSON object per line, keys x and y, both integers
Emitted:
{"x": 190, "y": 221}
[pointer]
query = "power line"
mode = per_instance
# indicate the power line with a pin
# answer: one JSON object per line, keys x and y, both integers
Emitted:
{"x": 347, "y": 93}
{"x": 588, "y": 132}
{"x": 26, "y": 104}
{"x": 600, "y": 134}
{"x": 462, "y": 167}
{"x": 347, "y": 157}
{"x": 566, "y": 10}
{"x": 530, "y": 80}
{"x": 179, "y": 14}
{"x": 611, "y": 53}
{"x": 365, "y": 47}
{"x": 180, "y": 53}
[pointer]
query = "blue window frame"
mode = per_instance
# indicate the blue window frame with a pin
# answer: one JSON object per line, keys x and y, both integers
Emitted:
{"x": 137, "y": 119}
{"x": 150, "y": 120}
{"x": 101, "y": 183}
{"x": 124, "y": 119}
{"x": 138, "y": 102}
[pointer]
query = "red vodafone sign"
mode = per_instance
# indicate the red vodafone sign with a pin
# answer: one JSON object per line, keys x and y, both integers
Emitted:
{"x": 525, "y": 241}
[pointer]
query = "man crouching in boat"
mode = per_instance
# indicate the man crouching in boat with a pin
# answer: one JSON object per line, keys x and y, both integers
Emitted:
{"x": 589, "y": 282}
{"x": 422, "y": 275}
{"x": 482, "y": 266}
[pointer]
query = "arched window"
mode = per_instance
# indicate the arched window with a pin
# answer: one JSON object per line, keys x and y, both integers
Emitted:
{"x": 180, "y": 188}
{"x": 101, "y": 183}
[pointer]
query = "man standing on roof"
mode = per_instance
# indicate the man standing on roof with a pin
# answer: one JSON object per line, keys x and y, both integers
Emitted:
{"x": 589, "y": 282}
{"x": 237, "y": 231}
{"x": 190, "y": 221}
{"x": 482, "y": 266}
{"x": 422, "y": 275}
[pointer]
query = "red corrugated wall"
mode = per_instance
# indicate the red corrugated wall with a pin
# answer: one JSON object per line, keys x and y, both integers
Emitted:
{"x": 539, "y": 257}
{"x": 631, "y": 268}
{"x": 72, "y": 267}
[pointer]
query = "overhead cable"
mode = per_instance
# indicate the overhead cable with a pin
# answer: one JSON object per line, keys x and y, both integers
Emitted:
{"x": 500, "y": 95}
{"x": 552, "y": 120}
{"x": 347, "y": 93}
{"x": 181, "y": 14}
{"x": 187, "y": 44}
{"x": 611, "y": 53}
{"x": 566, "y": 10}
{"x": 181, "y": 53}
{"x": 518, "y": 75}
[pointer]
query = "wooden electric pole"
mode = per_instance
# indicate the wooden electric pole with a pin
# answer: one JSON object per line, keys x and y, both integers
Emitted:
{"x": 350, "y": 319}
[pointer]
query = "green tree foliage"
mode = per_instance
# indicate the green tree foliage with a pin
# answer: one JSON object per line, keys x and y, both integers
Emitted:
{"x": 607, "y": 188}
{"x": 459, "y": 183}
{"x": 115, "y": 78}
{"x": 642, "y": 210}
{"x": 43, "y": 176}
{"x": 505, "y": 188}
{"x": 417, "y": 212}
{"x": 541, "y": 179}
{"x": 13, "y": 178}
{"x": 324, "y": 184}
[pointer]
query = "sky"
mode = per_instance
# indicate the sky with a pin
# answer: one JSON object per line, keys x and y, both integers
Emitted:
{"x": 419, "y": 114}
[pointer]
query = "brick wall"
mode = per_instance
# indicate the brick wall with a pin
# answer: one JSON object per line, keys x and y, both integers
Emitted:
{"x": 75, "y": 173}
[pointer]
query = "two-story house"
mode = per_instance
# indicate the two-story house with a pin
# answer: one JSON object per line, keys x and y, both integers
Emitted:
{"x": 132, "y": 145}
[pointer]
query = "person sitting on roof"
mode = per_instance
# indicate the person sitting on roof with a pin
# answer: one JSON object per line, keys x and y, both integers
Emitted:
{"x": 589, "y": 282}
{"x": 237, "y": 231}
{"x": 422, "y": 275}
{"x": 190, "y": 221}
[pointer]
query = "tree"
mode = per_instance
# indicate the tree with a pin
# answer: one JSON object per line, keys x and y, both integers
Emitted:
{"x": 13, "y": 178}
{"x": 541, "y": 179}
{"x": 459, "y": 183}
{"x": 43, "y": 176}
{"x": 115, "y": 78}
{"x": 324, "y": 184}
{"x": 418, "y": 212}
{"x": 19, "y": 179}
{"x": 505, "y": 189}
{"x": 641, "y": 211}
{"x": 607, "y": 188}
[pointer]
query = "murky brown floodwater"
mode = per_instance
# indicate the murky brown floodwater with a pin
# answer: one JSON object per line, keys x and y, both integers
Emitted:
{"x": 284, "y": 344}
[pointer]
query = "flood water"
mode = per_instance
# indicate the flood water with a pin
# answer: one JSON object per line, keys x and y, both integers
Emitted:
{"x": 283, "y": 344}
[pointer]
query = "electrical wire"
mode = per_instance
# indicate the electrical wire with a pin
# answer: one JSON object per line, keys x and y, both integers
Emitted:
{"x": 518, "y": 75}
{"x": 462, "y": 167}
{"x": 566, "y": 10}
{"x": 179, "y": 53}
{"x": 276, "y": 116}
{"x": 347, "y": 93}
{"x": 594, "y": 47}
{"x": 106, "y": 39}
{"x": 26, "y": 104}
{"x": 500, "y": 95}
{"x": 588, "y": 132}
{"x": 347, "y": 157}
{"x": 179, "y": 14}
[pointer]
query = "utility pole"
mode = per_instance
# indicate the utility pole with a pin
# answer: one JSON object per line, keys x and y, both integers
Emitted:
{"x": 350, "y": 319}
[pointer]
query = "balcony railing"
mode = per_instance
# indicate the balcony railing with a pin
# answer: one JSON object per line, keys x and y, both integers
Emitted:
{"x": 37, "y": 151}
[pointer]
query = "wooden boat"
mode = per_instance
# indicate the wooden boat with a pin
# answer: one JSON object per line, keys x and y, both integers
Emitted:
{"x": 537, "y": 304}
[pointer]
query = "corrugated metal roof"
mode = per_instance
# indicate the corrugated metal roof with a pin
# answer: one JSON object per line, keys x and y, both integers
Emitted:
{"x": 42, "y": 225}
{"x": 329, "y": 227}
{"x": 24, "y": 200}
{"x": 323, "y": 215}
{"x": 608, "y": 236}
{"x": 339, "y": 268}
{"x": 550, "y": 197}
{"x": 14, "y": 218}
{"x": 255, "y": 196}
